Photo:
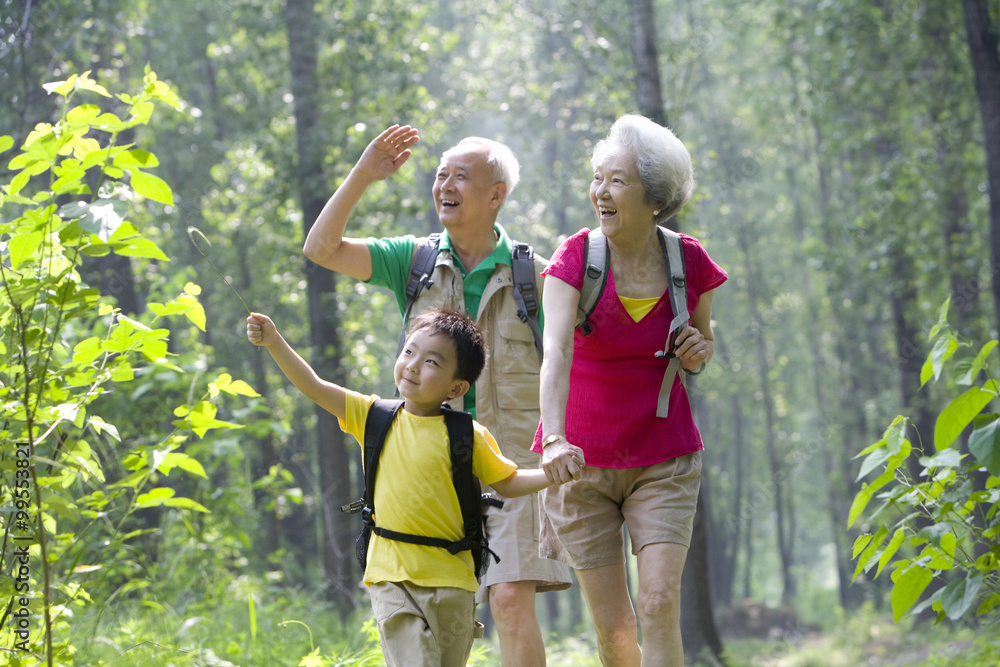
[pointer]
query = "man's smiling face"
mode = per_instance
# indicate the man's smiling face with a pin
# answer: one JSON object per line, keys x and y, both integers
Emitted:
{"x": 464, "y": 189}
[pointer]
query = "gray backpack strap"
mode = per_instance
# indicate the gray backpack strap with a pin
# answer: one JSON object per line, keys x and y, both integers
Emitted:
{"x": 522, "y": 264}
{"x": 673, "y": 254}
{"x": 595, "y": 277}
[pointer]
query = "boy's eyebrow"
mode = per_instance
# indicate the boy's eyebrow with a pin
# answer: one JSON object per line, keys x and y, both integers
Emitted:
{"x": 428, "y": 351}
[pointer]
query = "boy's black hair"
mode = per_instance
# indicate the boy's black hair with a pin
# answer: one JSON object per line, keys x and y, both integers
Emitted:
{"x": 470, "y": 345}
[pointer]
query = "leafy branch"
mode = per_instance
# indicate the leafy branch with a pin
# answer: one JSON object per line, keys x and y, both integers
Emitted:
{"x": 943, "y": 523}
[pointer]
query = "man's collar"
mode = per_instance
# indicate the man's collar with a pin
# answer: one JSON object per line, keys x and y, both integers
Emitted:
{"x": 500, "y": 255}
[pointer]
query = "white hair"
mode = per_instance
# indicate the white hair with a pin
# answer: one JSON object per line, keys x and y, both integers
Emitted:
{"x": 663, "y": 163}
{"x": 501, "y": 160}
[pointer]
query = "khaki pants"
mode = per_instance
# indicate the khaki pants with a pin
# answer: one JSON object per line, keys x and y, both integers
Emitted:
{"x": 423, "y": 626}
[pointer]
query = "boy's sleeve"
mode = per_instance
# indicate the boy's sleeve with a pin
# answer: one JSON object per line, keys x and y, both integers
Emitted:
{"x": 353, "y": 422}
{"x": 488, "y": 464}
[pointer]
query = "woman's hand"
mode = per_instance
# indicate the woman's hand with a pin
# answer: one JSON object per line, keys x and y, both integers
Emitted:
{"x": 562, "y": 461}
{"x": 693, "y": 348}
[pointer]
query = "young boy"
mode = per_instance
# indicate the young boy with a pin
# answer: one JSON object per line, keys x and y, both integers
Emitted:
{"x": 422, "y": 597}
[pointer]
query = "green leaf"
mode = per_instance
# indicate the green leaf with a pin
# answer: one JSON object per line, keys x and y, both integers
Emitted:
{"x": 871, "y": 551}
{"x": 102, "y": 426}
{"x": 185, "y": 503}
{"x": 172, "y": 460}
{"x": 194, "y": 312}
{"x": 135, "y": 159}
{"x": 978, "y": 363}
{"x": 87, "y": 351}
{"x": 6, "y": 143}
{"x": 152, "y": 187}
{"x": 984, "y": 443}
{"x": 139, "y": 246}
{"x": 989, "y": 604}
{"x": 225, "y": 383}
{"x": 943, "y": 348}
{"x": 154, "y": 497}
{"x": 949, "y": 458}
{"x": 24, "y": 247}
{"x": 959, "y": 595}
{"x": 860, "y": 543}
{"x": 890, "y": 550}
{"x": 909, "y": 585}
{"x": 958, "y": 414}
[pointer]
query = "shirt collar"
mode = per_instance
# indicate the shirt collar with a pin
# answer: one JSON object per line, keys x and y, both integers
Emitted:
{"x": 500, "y": 255}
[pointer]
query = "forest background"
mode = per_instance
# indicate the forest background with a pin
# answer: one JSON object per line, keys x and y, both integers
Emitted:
{"x": 844, "y": 175}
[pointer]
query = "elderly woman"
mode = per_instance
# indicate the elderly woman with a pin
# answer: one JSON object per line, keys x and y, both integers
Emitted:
{"x": 601, "y": 393}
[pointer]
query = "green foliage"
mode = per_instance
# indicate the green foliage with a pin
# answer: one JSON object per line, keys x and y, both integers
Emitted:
{"x": 940, "y": 521}
{"x": 71, "y": 519}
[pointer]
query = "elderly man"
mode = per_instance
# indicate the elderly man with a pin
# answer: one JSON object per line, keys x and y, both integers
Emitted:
{"x": 472, "y": 272}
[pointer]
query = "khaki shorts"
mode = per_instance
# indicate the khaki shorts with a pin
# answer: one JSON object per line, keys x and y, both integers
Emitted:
{"x": 423, "y": 626}
{"x": 513, "y": 534}
{"x": 582, "y": 520}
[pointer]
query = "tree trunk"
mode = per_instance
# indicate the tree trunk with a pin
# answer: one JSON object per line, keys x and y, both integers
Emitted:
{"x": 337, "y": 548}
{"x": 649, "y": 96}
{"x": 698, "y": 630}
{"x": 697, "y": 601}
{"x": 778, "y": 478}
{"x": 945, "y": 70}
{"x": 982, "y": 38}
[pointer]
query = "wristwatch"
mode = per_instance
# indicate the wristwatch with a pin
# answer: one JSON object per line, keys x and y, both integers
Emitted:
{"x": 550, "y": 439}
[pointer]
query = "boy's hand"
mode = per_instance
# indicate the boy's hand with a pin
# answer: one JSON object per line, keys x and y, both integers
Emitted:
{"x": 261, "y": 330}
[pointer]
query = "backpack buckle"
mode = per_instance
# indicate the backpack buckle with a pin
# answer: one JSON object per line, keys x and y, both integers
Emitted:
{"x": 368, "y": 516}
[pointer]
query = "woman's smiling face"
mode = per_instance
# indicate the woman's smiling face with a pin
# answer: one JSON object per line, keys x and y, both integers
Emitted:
{"x": 618, "y": 194}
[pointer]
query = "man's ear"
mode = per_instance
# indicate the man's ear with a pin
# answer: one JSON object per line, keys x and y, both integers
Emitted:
{"x": 458, "y": 389}
{"x": 498, "y": 194}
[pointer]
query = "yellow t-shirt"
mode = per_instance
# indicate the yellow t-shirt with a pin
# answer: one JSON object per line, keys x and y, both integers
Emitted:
{"x": 414, "y": 494}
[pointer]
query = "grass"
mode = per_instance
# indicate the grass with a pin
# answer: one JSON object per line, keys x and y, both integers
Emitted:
{"x": 289, "y": 627}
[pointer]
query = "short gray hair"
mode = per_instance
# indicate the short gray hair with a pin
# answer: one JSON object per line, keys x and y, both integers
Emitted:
{"x": 663, "y": 162}
{"x": 501, "y": 160}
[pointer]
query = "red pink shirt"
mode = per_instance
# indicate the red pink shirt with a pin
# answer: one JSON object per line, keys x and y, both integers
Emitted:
{"x": 615, "y": 377}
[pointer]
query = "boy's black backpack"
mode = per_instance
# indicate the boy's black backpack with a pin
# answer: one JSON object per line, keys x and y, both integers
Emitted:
{"x": 470, "y": 498}
{"x": 522, "y": 264}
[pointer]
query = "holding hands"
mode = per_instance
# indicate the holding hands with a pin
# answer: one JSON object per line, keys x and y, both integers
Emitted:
{"x": 561, "y": 461}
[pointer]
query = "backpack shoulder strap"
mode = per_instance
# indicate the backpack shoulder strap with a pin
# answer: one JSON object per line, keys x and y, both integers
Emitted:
{"x": 460, "y": 434}
{"x": 522, "y": 264}
{"x": 380, "y": 416}
{"x": 419, "y": 277}
{"x": 595, "y": 277}
{"x": 673, "y": 255}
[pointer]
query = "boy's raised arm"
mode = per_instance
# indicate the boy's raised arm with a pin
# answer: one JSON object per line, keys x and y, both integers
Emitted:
{"x": 331, "y": 397}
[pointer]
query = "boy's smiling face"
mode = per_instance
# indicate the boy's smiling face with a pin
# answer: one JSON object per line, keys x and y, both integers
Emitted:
{"x": 426, "y": 372}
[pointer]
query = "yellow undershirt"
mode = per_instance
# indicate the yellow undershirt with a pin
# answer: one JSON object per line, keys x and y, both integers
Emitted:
{"x": 638, "y": 308}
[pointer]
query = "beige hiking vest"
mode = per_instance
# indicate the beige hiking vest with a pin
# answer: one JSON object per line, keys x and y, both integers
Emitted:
{"x": 507, "y": 390}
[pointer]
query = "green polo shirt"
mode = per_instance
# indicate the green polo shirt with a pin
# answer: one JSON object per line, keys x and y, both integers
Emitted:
{"x": 391, "y": 266}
